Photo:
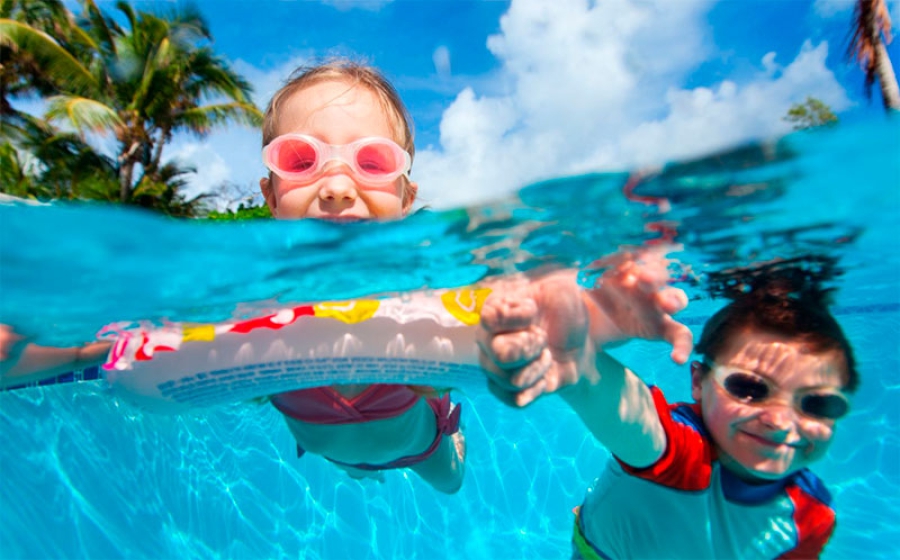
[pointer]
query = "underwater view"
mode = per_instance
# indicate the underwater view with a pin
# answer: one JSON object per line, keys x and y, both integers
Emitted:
{"x": 85, "y": 473}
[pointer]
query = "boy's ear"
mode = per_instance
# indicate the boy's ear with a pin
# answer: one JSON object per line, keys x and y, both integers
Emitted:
{"x": 409, "y": 196}
{"x": 698, "y": 372}
{"x": 265, "y": 186}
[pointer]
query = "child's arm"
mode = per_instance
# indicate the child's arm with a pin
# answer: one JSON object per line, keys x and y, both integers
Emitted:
{"x": 547, "y": 335}
{"x": 22, "y": 362}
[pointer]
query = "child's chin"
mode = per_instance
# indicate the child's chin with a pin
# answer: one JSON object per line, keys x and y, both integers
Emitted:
{"x": 759, "y": 472}
{"x": 766, "y": 471}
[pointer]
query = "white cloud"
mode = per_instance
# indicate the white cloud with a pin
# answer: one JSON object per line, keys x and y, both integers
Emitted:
{"x": 212, "y": 170}
{"x": 441, "y": 59}
{"x": 704, "y": 119}
{"x": 592, "y": 86}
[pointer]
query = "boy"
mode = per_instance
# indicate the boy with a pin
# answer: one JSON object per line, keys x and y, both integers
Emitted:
{"x": 723, "y": 477}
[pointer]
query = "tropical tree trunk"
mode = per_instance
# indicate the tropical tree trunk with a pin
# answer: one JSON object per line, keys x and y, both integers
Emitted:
{"x": 890, "y": 92}
{"x": 165, "y": 136}
{"x": 5, "y": 105}
{"x": 126, "y": 171}
{"x": 871, "y": 31}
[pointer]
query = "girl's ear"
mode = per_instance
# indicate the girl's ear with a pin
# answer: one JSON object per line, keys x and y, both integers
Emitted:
{"x": 409, "y": 196}
{"x": 265, "y": 186}
{"x": 698, "y": 373}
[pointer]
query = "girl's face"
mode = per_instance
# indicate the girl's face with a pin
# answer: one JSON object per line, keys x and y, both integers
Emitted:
{"x": 770, "y": 439}
{"x": 338, "y": 113}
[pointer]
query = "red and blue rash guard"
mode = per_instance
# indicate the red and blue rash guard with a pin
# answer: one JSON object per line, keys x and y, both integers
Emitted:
{"x": 687, "y": 506}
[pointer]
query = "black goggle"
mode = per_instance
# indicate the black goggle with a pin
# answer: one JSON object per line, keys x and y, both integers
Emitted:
{"x": 753, "y": 389}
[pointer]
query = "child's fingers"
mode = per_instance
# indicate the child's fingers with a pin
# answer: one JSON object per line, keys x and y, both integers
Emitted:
{"x": 533, "y": 372}
{"x": 681, "y": 339}
{"x": 529, "y": 395}
{"x": 507, "y": 312}
{"x": 502, "y": 394}
{"x": 495, "y": 373}
{"x": 512, "y": 350}
{"x": 517, "y": 380}
{"x": 671, "y": 300}
{"x": 517, "y": 399}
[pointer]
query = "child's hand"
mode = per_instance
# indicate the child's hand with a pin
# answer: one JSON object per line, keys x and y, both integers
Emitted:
{"x": 633, "y": 300}
{"x": 538, "y": 337}
{"x": 533, "y": 337}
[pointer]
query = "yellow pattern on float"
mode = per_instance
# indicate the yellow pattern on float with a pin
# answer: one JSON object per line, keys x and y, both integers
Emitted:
{"x": 199, "y": 333}
{"x": 465, "y": 304}
{"x": 349, "y": 312}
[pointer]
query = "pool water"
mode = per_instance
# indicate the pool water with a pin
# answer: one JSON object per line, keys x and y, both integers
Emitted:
{"x": 85, "y": 475}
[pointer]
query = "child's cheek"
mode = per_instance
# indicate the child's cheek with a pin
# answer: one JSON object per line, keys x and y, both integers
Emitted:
{"x": 818, "y": 434}
{"x": 384, "y": 205}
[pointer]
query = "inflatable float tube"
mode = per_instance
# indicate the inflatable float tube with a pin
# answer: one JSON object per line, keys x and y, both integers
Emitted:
{"x": 423, "y": 338}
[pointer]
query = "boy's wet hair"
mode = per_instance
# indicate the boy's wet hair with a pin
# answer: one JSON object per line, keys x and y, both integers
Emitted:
{"x": 355, "y": 74}
{"x": 785, "y": 298}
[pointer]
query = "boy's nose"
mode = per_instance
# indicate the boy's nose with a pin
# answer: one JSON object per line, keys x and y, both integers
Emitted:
{"x": 778, "y": 416}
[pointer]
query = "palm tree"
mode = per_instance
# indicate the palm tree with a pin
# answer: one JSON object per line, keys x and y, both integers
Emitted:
{"x": 152, "y": 80}
{"x": 871, "y": 21}
{"x": 140, "y": 83}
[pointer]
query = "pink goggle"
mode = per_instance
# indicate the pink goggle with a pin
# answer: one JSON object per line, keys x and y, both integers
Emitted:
{"x": 298, "y": 157}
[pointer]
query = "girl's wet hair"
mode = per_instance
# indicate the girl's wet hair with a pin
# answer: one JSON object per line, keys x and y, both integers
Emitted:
{"x": 783, "y": 297}
{"x": 355, "y": 74}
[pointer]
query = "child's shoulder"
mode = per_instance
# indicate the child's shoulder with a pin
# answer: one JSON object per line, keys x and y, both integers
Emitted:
{"x": 810, "y": 487}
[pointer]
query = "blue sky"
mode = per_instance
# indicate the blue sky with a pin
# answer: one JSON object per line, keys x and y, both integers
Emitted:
{"x": 507, "y": 93}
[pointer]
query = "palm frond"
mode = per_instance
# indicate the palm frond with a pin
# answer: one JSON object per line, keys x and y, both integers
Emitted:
{"x": 82, "y": 113}
{"x": 156, "y": 64}
{"x": 201, "y": 119}
{"x": 103, "y": 28}
{"x": 211, "y": 76}
{"x": 129, "y": 13}
{"x": 55, "y": 61}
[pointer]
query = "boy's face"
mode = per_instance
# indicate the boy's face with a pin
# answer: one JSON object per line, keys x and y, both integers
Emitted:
{"x": 336, "y": 113}
{"x": 770, "y": 439}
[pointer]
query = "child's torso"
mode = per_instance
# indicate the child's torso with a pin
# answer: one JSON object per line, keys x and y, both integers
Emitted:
{"x": 688, "y": 506}
{"x": 628, "y": 517}
{"x": 403, "y": 422}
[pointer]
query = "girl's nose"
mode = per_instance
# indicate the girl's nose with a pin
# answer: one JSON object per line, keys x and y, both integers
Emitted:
{"x": 337, "y": 184}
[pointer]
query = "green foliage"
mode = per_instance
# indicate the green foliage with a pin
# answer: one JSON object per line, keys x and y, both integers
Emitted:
{"x": 810, "y": 114}
{"x": 243, "y": 212}
{"x": 161, "y": 191}
{"x": 138, "y": 78}
{"x": 39, "y": 162}
{"x": 38, "y": 61}
{"x": 14, "y": 179}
